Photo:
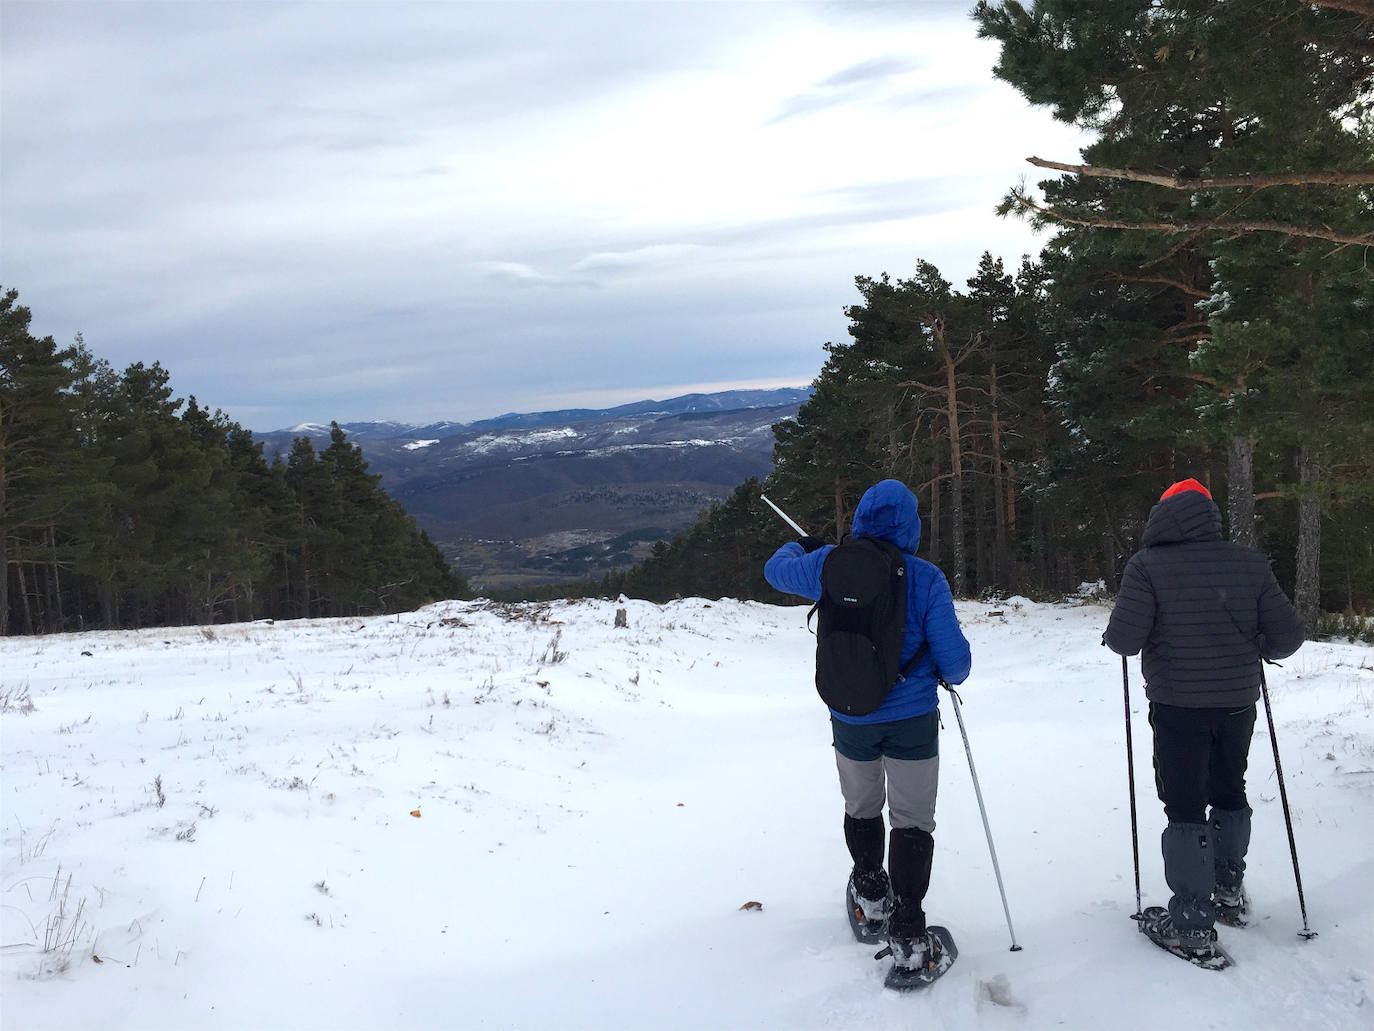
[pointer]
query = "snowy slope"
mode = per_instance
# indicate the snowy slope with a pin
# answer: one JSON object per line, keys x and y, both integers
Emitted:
{"x": 595, "y": 807}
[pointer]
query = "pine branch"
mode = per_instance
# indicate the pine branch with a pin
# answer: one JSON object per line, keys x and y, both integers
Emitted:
{"x": 1173, "y": 182}
{"x": 939, "y": 478}
{"x": 1353, "y": 46}
{"x": 1210, "y": 381}
{"x": 1364, "y": 7}
{"x": 1187, "y": 240}
{"x": 1219, "y": 226}
{"x": 1186, "y": 288}
{"x": 922, "y": 386}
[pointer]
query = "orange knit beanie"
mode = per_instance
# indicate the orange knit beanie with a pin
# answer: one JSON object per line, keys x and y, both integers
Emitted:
{"x": 1185, "y": 485}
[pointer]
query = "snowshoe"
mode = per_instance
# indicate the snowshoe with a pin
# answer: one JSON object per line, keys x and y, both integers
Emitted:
{"x": 867, "y": 917}
{"x": 919, "y": 962}
{"x": 1198, "y": 947}
{"x": 1232, "y": 906}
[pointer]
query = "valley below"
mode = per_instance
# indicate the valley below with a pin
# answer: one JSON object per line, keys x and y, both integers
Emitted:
{"x": 555, "y": 497}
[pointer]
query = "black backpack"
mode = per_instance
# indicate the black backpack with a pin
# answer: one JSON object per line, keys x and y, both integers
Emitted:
{"x": 862, "y": 613}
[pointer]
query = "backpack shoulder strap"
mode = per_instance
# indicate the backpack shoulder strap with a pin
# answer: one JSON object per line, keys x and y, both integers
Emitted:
{"x": 921, "y": 652}
{"x": 915, "y": 660}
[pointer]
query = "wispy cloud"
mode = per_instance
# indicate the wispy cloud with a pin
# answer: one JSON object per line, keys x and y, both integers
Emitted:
{"x": 874, "y": 70}
{"x": 852, "y": 85}
{"x": 638, "y": 258}
{"x": 516, "y": 272}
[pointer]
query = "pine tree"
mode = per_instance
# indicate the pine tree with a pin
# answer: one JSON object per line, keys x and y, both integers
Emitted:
{"x": 119, "y": 508}
{"x": 1233, "y": 144}
{"x": 311, "y": 488}
{"x": 37, "y": 443}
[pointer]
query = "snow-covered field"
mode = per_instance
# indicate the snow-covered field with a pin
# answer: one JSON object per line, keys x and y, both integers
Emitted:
{"x": 522, "y": 817}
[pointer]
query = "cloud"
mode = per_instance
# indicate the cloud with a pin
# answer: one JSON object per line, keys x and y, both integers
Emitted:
{"x": 420, "y": 210}
{"x": 516, "y": 272}
{"x": 877, "y": 69}
{"x": 851, "y": 85}
{"x": 639, "y": 258}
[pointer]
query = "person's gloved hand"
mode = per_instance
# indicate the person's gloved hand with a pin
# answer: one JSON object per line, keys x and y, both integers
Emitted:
{"x": 810, "y": 544}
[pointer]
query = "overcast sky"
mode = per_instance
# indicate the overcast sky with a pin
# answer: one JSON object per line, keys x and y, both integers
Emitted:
{"x": 453, "y": 210}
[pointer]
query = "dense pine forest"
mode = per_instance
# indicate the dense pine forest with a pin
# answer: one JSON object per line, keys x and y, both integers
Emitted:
{"x": 1204, "y": 308}
{"x": 121, "y": 506}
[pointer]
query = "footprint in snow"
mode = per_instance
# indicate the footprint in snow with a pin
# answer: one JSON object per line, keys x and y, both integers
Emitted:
{"x": 998, "y": 992}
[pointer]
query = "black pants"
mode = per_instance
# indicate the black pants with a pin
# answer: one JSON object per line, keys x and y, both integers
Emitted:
{"x": 1200, "y": 757}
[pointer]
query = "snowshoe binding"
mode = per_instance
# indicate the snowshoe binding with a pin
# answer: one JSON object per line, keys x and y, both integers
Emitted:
{"x": 1198, "y": 947}
{"x": 868, "y": 916}
{"x": 1232, "y": 906}
{"x": 919, "y": 962}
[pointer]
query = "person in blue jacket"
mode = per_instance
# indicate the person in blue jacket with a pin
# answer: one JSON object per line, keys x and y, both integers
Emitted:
{"x": 891, "y": 755}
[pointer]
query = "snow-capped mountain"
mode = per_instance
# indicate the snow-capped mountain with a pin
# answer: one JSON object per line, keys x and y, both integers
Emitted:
{"x": 685, "y": 404}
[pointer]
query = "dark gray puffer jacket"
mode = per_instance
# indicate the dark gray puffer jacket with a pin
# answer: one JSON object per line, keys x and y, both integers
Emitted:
{"x": 1202, "y": 610}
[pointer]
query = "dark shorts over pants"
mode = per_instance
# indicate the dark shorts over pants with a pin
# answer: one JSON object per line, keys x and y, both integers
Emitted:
{"x": 1200, "y": 757}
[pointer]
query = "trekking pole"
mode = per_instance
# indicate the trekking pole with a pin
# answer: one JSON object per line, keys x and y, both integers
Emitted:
{"x": 983, "y": 810}
{"x": 785, "y": 517}
{"x": 1305, "y": 933}
{"x": 1130, "y": 778}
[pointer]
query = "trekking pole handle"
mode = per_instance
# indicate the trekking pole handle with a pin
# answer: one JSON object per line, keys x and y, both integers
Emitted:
{"x": 785, "y": 517}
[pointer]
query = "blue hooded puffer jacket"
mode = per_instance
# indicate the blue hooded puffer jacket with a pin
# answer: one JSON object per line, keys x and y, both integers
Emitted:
{"x": 888, "y": 510}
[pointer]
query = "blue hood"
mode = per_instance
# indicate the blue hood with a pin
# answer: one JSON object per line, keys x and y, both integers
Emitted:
{"x": 888, "y": 510}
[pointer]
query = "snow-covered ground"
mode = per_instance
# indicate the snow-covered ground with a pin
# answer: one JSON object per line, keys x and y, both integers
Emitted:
{"x": 523, "y": 817}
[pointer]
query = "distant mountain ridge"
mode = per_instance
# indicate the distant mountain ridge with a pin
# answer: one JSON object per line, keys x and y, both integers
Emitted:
{"x": 725, "y": 400}
{"x": 548, "y": 496}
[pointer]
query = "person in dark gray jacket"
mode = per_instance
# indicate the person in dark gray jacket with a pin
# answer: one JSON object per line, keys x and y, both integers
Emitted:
{"x": 1203, "y": 612}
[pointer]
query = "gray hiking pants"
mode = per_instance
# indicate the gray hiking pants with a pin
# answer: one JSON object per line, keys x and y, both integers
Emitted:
{"x": 907, "y": 785}
{"x": 871, "y": 775}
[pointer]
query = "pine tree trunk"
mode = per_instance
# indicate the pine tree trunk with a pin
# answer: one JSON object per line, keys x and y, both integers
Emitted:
{"x": 23, "y": 594}
{"x": 1307, "y": 591}
{"x": 305, "y": 577}
{"x": 1002, "y": 564}
{"x": 4, "y": 581}
{"x": 1111, "y": 549}
{"x": 1240, "y": 491}
{"x": 934, "y": 520}
{"x": 956, "y": 465}
{"x": 4, "y": 557}
{"x": 839, "y": 511}
{"x": 284, "y": 591}
{"x": 107, "y": 605}
{"x": 982, "y": 546}
{"x": 57, "y": 616}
